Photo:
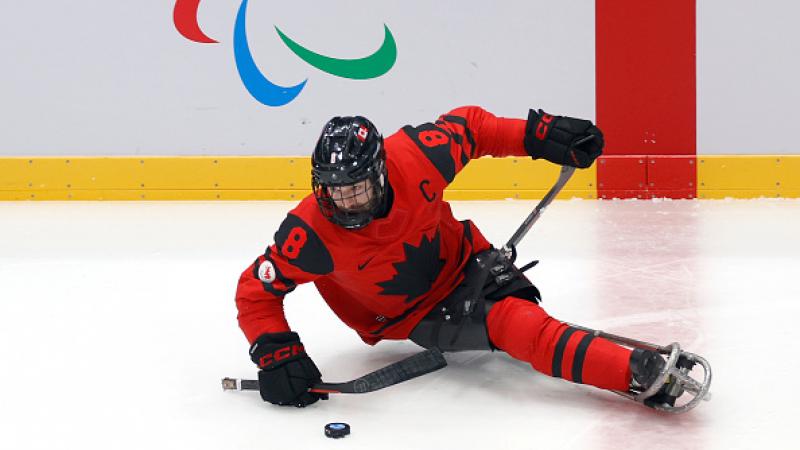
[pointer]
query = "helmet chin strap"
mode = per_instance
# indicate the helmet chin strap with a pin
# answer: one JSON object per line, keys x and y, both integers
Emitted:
{"x": 388, "y": 198}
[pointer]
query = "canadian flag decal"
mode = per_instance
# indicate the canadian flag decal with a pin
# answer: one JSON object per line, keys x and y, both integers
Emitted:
{"x": 266, "y": 272}
{"x": 362, "y": 133}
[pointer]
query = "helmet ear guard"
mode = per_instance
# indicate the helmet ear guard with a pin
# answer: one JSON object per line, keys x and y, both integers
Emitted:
{"x": 349, "y": 151}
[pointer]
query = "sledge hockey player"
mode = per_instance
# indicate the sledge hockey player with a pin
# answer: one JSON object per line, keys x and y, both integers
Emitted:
{"x": 391, "y": 261}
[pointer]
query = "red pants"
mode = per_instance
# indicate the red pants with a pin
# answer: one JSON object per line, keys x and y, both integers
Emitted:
{"x": 526, "y": 332}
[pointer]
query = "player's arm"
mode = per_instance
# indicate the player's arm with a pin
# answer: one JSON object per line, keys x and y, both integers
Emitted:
{"x": 298, "y": 256}
{"x": 470, "y": 132}
{"x": 559, "y": 139}
{"x": 480, "y": 133}
{"x": 260, "y": 294}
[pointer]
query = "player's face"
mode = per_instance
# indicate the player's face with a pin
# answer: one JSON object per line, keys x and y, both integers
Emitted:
{"x": 353, "y": 197}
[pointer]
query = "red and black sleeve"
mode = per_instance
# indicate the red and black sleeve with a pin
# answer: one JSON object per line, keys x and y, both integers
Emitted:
{"x": 464, "y": 134}
{"x": 297, "y": 256}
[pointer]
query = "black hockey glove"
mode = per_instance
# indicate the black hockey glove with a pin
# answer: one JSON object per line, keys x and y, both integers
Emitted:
{"x": 562, "y": 140}
{"x": 286, "y": 370}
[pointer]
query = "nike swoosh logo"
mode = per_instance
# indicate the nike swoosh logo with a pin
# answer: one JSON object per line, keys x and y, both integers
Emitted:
{"x": 371, "y": 66}
{"x": 361, "y": 266}
{"x": 254, "y": 81}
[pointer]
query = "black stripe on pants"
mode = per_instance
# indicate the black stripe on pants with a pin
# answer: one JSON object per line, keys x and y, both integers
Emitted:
{"x": 580, "y": 356}
{"x": 558, "y": 356}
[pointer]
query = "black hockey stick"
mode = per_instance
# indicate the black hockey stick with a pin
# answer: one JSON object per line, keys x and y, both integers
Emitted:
{"x": 566, "y": 173}
{"x": 403, "y": 370}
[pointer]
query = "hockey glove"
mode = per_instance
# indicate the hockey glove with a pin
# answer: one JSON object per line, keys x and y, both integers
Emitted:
{"x": 286, "y": 370}
{"x": 562, "y": 140}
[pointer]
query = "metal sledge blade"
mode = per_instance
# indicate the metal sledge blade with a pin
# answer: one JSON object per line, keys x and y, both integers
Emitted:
{"x": 675, "y": 372}
{"x": 675, "y": 376}
{"x": 681, "y": 381}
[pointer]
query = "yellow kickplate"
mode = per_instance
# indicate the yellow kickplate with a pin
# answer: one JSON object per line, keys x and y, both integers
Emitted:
{"x": 748, "y": 176}
{"x": 288, "y": 178}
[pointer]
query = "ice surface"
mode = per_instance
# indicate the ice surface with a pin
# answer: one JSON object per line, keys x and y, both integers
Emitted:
{"x": 117, "y": 323}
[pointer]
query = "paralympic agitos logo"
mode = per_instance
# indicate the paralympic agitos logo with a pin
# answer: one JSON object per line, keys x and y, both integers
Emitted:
{"x": 254, "y": 80}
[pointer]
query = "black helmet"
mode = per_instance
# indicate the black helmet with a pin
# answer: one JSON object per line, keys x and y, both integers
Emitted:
{"x": 348, "y": 173}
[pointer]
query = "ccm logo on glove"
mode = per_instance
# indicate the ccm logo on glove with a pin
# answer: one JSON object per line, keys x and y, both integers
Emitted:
{"x": 544, "y": 126}
{"x": 280, "y": 354}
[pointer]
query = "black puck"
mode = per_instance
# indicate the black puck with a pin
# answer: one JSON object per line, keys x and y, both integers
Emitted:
{"x": 337, "y": 430}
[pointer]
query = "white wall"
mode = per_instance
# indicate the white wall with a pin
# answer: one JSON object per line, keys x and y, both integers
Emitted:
{"x": 748, "y": 76}
{"x": 96, "y": 77}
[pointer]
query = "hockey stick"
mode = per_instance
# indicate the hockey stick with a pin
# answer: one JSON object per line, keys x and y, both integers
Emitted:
{"x": 403, "y": 370}
{"x": 566, "y": 173}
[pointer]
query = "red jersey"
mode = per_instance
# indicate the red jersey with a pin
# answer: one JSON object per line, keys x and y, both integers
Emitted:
{"x": 382, "y": 279}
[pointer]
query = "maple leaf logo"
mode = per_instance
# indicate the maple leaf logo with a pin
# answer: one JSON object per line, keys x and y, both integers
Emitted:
{"x": 416, "y": 274}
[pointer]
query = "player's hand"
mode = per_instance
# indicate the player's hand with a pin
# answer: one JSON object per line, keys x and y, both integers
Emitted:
{"x": 286, "y": 372}
{"x": 562, "y": 140}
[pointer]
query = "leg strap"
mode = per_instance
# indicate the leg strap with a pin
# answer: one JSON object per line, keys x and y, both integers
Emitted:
{"x": 458, "y": 322}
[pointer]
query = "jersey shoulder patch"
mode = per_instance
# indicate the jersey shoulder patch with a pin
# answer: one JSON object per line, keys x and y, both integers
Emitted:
{"x": 301, "y": 245}
{"x": 266, "y": 271}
